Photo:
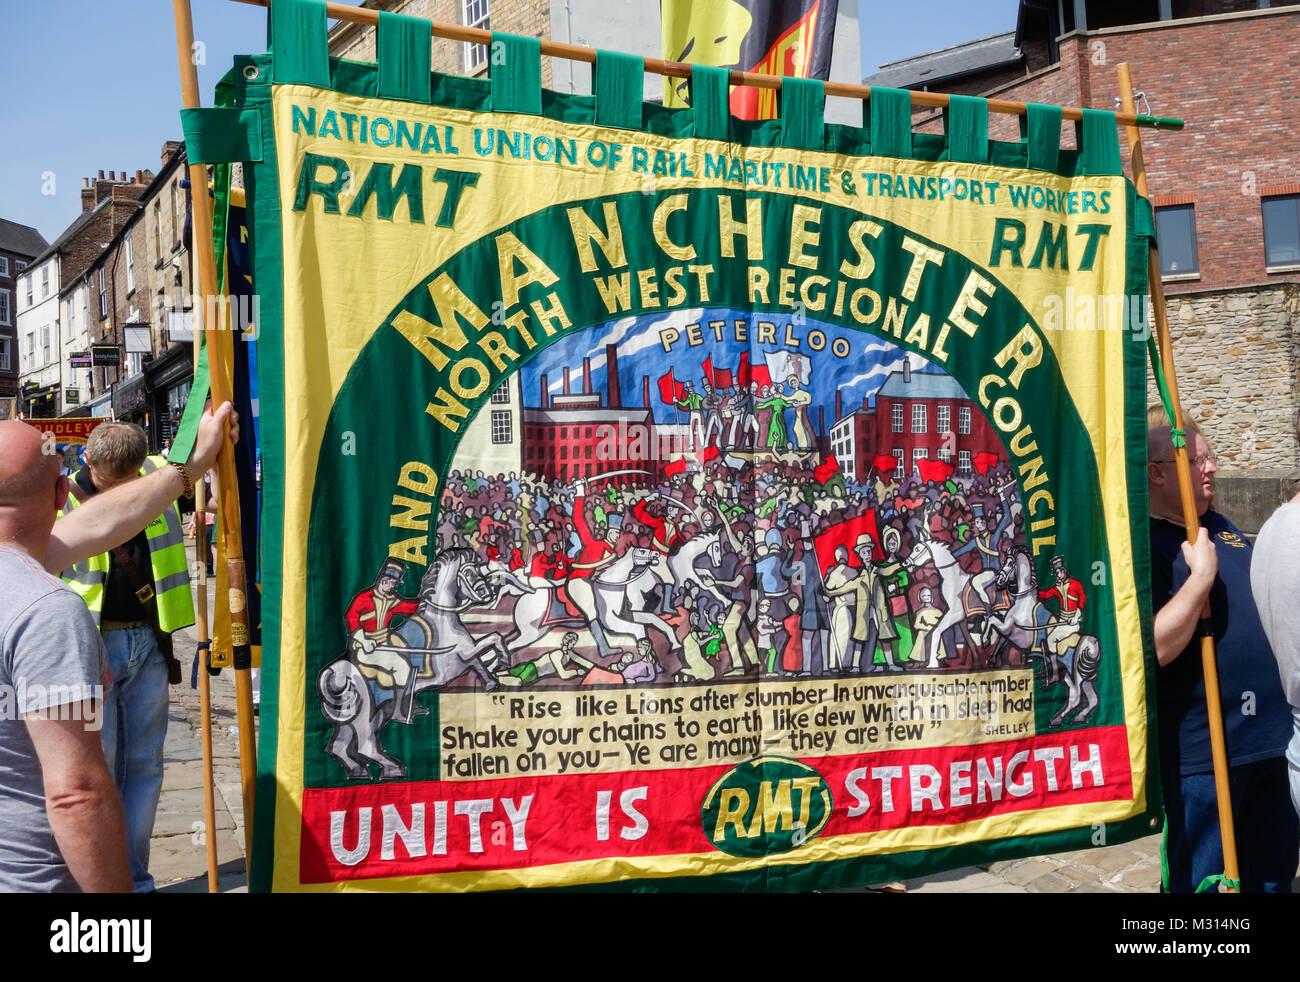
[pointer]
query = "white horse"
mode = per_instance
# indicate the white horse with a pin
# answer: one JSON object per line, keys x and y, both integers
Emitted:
{"x": 953, "y": 581}
{"x": 681, "y": 564}
{"x": 623, "y": 597}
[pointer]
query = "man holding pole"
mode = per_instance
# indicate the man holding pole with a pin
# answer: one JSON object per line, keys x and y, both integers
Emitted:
{"x": 1257, "y": 722}
{"x": 60, "y": 818}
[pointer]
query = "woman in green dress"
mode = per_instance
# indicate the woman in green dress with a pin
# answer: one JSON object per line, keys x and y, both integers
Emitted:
{"x": 894, "y": 576}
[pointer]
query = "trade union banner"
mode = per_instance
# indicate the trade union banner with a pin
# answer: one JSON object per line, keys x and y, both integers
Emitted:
{"x": 654, "y": 499}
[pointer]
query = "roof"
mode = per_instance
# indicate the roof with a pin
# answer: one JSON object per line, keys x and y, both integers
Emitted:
{"x": 924, "y": 385}
{"x": 77, "y": 225}
{"x": 946, "y": 64}
{"x": 582, "y": 415}
{"x": 21, "y": 239}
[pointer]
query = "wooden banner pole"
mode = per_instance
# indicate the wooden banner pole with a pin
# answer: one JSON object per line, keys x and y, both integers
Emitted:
{"x": 679, "y": 69}
{"x": 228, "y": 493}
{"x": 1214, "y": 708}
{"x": 205, "y": 682}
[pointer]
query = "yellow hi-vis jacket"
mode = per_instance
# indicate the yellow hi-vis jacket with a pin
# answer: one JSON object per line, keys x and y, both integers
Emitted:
{"x": 167, "y": 559}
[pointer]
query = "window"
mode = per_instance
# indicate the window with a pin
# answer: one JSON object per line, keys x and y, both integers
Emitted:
{"x": 69, "y": 318}
{"x": 945, "y": 419}
{"x": 1281, "y": 230}
{"x": 918, "y": 417}
{"x": 963, "y": 420}
{"x": 963, "y": 462}
{"x": 130, "y": 267}
{"x": 501, "y": 395}
{"x": 29, "y": 291}
{"x": 898, "y": 469}
{"x": 45, "y": 281}
{"x": 1176, "y": 240}
{"x": 157, "y": 228}
{"x": 945, "y": 455}
{"x": 4, "y": 265}
{"x": 474, "y": 13}
{"x": 896, "y": 418}
{"x": 45, "y": 344}
{"x": 5, "y": 363}
{"x": 19, "y": 266}
{"x": 918, "y": 455}
{"x": 103, "y": 295}
{"x": 500, "y": 426}
{"x": 4, "y": 307}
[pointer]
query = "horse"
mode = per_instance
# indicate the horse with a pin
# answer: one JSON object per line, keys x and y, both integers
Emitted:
{"x": 681, "y": 564}
{"x": 953, "y": 581}
{"x": 622, "y": 593}
{"x": 360, "y": 702}
{"x": 1025, "y": 627}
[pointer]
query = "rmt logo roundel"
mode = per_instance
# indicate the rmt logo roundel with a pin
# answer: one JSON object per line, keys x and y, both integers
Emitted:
{"x": 766, "y": 806}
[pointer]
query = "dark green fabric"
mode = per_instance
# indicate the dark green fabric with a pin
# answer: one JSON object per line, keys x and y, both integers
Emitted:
{"x": 217, "y": 136}
{"x": 711, "y": 102}
{"x": 618, "y": 84}
{"x": 803, "y": 114}
{"x": 966, "y": 120}
{"x": 1040, "y": 127}
{"x": 516, "y": 70}
{"x": 1144, "y": 222}
{"x": 298, "y": 42}
{"x": 1098, "y": 139}
{"x": 891, "y": 122}
{"x": 405, "y": 49}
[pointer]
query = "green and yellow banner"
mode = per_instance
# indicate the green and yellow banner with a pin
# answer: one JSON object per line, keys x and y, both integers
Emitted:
{"x": 653, "y": 498}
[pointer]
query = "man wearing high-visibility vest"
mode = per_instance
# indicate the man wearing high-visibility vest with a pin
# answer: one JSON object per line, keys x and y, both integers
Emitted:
{"x": 138, "y": 593}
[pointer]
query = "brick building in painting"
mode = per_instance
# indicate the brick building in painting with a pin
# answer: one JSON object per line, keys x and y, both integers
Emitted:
{"x": 917, "y": 416}
{"x": 576, "y": 434}
{"x": 1226, "y": 190}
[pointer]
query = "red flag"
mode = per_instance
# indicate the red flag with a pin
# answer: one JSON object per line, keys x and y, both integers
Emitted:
{"x": 885, "y": 463}
{"x": 748, "y": 372}
{"x": 720, "y": 377}
{"x": 707, "y": 454}
{"x": 826, "y": 469}
{"x": 675, "y": 467}
{"x": 670, "y": 390}
{"x": 937, "y": 471}
{"x": 846, "y": 534}
{"x": 985, "y": 461}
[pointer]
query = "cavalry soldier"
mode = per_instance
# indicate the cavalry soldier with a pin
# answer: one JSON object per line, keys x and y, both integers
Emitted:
{"x": 1070, "y": 600}
{"x": 368, "y": 618}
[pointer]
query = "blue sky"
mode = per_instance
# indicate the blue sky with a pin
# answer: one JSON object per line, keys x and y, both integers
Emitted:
{"x": 75, "y": 102}
{"x": 867, "y": 362}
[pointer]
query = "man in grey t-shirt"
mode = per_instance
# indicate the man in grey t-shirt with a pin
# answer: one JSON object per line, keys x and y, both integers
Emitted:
{"x": 60, "y": 818}
{"x": 52, "y": 667}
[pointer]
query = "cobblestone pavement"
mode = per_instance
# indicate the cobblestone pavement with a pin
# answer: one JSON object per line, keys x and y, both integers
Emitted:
{"x": 179, "y": 862}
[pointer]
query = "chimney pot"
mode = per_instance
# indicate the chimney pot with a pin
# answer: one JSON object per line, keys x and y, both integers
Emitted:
{"x": 101, "y": 175}
{"x": 139, "y": 177}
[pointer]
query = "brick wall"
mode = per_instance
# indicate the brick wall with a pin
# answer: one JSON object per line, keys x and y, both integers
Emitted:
{"x": 530, "y": 18}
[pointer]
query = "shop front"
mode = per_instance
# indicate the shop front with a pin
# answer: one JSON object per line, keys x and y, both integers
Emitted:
{"x": 170, "y": 376}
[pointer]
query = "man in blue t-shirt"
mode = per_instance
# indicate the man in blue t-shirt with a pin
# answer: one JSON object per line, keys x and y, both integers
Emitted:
{"x": 1256, "y": 716}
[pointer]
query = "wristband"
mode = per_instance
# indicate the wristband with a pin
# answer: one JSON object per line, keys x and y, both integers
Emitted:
{"x": 185, "y": 476}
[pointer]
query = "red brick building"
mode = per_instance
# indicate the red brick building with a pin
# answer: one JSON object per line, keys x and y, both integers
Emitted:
{"x": 573, "y": 435}
{"x": 1226, "y": 189}
{"x": 918, "y": 416}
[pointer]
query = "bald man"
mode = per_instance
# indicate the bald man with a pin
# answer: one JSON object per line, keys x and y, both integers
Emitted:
{"x": 60, "y": 818}
{"x": 1257, "y": 720}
